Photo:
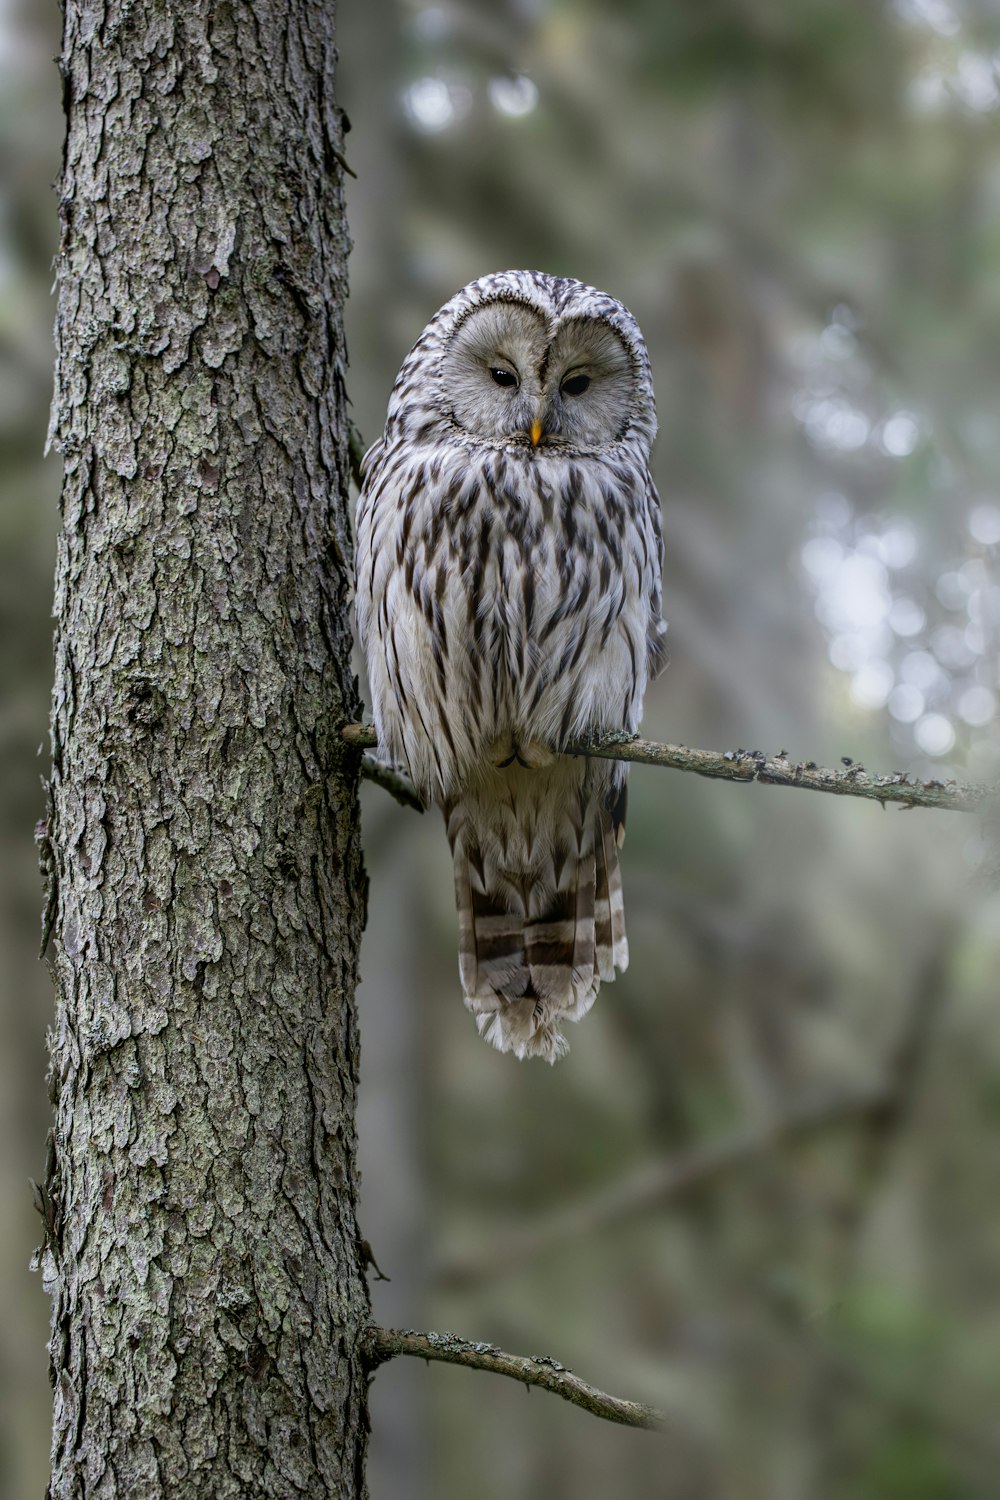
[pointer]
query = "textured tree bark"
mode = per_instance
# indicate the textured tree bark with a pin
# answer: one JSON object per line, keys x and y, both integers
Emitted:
{"x": 208, "y": 890}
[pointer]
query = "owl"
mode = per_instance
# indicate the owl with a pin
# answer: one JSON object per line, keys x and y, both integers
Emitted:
{"x": 509, "y": 559}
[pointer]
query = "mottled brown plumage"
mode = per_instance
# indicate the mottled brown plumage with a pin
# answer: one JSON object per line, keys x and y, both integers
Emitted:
{"x": 508, "y": 598}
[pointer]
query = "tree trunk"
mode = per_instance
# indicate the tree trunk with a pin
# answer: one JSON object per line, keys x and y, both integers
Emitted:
{"x": 207, "y": 885}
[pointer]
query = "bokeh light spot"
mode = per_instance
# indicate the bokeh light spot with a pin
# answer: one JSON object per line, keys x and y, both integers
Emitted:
{"x": 898, "y": 545}
{"x": 512, "y": 96}
{"x": 821, "y": 557}
{"x": 906, "y": 617}
{"x": 977, "y": 705}
{"x": 872, "y": 684}
{"x": 934, "y": 734}
{"x": 429, "y": 105}
{"x": 906, "y": 703}
{"x": 900, "y": 434}
{"x": 984, "y": 524}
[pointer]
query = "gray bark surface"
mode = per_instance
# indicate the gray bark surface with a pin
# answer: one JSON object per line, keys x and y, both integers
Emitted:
{"x": 207, "y": 885}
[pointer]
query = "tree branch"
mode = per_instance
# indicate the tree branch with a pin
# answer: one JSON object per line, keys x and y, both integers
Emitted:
{"x": 393, "y": 782}
{"x": 381, "y": 1344}
{"x": 663, "y": 1181}
{"x": 754, "y": 765}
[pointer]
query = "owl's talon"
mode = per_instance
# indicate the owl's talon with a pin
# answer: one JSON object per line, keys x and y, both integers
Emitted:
{"x": 503, "y": 751}
{"x": 534, "y": 756}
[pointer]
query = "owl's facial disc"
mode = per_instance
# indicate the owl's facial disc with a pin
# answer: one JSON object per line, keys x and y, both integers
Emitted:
{"x": 508, "y": 381}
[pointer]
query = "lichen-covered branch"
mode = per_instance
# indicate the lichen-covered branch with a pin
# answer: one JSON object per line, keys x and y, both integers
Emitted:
{"x": 381, "y": 1344}
{"x": 852, "y": 780}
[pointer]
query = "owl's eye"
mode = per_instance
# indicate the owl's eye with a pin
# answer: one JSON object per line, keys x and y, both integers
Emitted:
{"x": 575, "y": 385}
{"x": 503, "y": 377}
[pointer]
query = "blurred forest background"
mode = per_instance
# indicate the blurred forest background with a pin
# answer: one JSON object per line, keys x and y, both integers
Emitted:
{"x": 763, "y": 1190}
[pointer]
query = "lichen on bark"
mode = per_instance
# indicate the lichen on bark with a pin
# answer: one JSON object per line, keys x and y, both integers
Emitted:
{"x": 201, "y": 1248}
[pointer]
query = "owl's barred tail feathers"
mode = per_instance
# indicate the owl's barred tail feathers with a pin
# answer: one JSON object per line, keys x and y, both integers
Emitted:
{"x": 536, "y": 940}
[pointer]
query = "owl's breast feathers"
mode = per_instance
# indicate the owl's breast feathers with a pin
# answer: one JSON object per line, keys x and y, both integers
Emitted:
{"x": 504, "y": 594}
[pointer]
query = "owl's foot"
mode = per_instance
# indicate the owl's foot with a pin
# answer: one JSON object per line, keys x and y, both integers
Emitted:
{"x": 506, "y": 750}
{"x": 534, "y": 756}
{"x": 503, "y": 751}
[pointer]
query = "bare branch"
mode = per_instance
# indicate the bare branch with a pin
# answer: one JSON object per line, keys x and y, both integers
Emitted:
{"x": 393, "y": 782}
{"x": 754, "y": 765}
{"x": 663, "y": 1181}
{"x": 382, "y": 1344}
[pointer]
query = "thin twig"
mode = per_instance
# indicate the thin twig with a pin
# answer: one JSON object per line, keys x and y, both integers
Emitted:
{"x": 381, "y": 1344}
{"x": 660, "y": 1182}
{"x": 754, "y": 765}
{"x": 393, "y": 782}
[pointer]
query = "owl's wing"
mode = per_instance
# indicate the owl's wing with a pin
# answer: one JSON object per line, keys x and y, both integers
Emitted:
{"x": 656, "y": 632}
{"x": 363, "y": 559}
{"x": 373, "y": 454}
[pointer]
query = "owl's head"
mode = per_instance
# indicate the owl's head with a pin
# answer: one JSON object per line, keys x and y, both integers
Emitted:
{"x": 522, "y": 360}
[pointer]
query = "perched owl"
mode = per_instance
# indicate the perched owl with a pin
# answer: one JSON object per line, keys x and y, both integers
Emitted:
{"x": 509, "y": 556}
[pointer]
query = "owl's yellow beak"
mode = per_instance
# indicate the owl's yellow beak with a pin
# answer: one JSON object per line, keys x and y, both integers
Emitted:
{"x": 536, "y": 433}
